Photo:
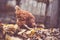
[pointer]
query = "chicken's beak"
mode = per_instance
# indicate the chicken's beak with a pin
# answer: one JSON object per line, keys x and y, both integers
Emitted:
{"x": 17, "y": 7}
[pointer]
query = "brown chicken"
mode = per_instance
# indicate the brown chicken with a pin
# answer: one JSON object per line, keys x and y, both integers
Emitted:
{"x": 24, "y": 17}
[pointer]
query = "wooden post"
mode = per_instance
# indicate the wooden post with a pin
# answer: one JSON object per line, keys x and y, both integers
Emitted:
{"x": 18, "y": 2}
{"x": 47, "y": 5}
